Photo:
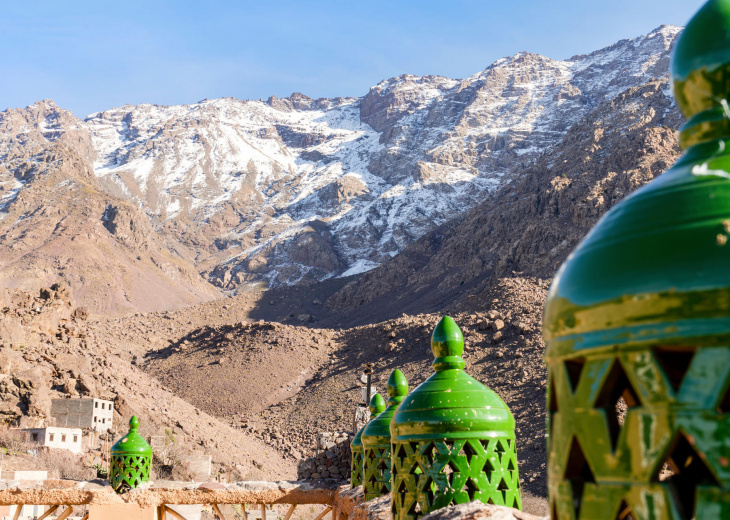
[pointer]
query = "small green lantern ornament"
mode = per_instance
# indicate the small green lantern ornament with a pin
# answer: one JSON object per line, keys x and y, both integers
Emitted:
{"x": 453, "y": 438}
{"x": 376, "y": 441}
{"x": 131, "y": 460}
{"x": 638, "y": 319}
{"x": 377, "y": 406}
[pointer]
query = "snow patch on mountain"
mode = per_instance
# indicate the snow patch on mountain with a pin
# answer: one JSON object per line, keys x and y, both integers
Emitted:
{"x": 297, "y": 188}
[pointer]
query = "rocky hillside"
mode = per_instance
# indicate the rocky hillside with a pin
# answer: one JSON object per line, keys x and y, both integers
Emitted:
{"x": 284, "y": 385}
{"x": 48, "y": 351}
{"x": 297, "y": 189}
{"x": 530, "y": 225}
{"x": 58, "y": 223}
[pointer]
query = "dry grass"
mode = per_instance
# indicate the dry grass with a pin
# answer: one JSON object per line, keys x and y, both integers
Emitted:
{"x": 15, "y": 441}
{"x": 64, "y": 464}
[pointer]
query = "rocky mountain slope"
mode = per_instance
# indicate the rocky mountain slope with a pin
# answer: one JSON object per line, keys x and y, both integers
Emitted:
{"x": 296, "y": 189}
{"x": 530, "y": 225}
{"x": 49, "y": 351}
{"x": 285, "y": 384}
{"x": 58, "y": 223}
{"x": 527, "y": 156}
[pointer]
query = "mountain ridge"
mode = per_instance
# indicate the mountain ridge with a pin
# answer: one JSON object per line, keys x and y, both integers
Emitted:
{"x": 299, "y": 190}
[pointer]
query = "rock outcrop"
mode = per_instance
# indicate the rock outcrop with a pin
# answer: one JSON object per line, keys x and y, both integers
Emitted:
{"x": 57, "y": 223}
{"x": 296, "y": 190}
{"x": 530, "y": 225}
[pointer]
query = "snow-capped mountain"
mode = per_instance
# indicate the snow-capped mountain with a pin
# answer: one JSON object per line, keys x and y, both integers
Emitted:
{"x": 300, "y": 189}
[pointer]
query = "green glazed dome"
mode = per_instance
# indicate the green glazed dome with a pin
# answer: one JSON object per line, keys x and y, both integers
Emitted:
{"x": 661, "y": 254}
{"x": 700, "y": 72}
{"x": 379, "y": 427}
{"x": 640, "y": 312}
{"x": 131, "y": 460}
{"x": 376, "y": 441}
{"x": 377, "y": 406}
{"x": 450, "y": 403}
{"x": 453, "y": 438}
{"x": 132, "y": 443}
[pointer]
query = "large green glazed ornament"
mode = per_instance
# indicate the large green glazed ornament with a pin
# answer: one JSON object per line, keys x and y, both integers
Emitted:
{"x": 453, "y": 438}
{"x": 377, "y": 406}
{"x": 376, "y": 441}
{"x": 131, "y": 460}
{"x": 638, "y": 317}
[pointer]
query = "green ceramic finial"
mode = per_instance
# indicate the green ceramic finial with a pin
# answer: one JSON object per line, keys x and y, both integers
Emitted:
{"x": 377, "y": 405}
{"x": 447, "y": 345}
{"x": 700, "y": 68}
{"x": 376, "y": 441}
{"x": 452, "y": 439}
{"x": 131, "y": 460}
{"x": 639, "y": 313}
{"x": 397, "y": 387}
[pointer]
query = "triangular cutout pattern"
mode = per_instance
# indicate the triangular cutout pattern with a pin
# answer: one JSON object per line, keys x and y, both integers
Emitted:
{"x": 471, "y": 488}
{"x": 624, "y": 512}
{"x": 616, "y": 387}
{"x": 688, "y": 470}
{"x": 675, "y": 363}
{"x": 574, "y": 368}
{"x": 467, "y": 451}
{"x": 430, "y": 452}
{"x": 577, "y": 473}
{"x": 428, "y": 489}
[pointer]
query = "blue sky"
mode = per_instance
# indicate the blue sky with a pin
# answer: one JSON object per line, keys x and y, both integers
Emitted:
{"x": 90, "y": 56}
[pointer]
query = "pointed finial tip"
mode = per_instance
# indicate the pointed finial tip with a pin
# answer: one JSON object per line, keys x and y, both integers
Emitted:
{"x": 700, "y": 64}
{"x": 377, "y": 405}
{"x": 447, "y": 341}
{"x": 133, "y": 423}
{"x": 397, "y": 384}
{"x": 447, "y": 330}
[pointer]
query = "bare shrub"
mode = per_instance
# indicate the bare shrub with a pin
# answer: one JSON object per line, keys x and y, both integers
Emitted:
{"x": 168, "y": 462}
{"x": 15, "y": 441}
{"x": 64, "y": 464}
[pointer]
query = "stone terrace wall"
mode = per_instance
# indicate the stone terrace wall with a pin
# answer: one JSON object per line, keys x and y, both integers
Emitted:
{"x": 332, "y": 459}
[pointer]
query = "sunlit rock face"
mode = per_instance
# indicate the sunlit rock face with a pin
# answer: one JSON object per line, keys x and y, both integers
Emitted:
{"x": 296, "y": 189}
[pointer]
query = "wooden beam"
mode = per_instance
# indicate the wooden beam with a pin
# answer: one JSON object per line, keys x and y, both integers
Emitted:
{"x": 251, "y": 493}
{"x": 161, "y": 512}
{"x": 263, "y": 511}
{"x": 323, "y": 513}
{"x": 218, "y": 512}
{"x": 86, "y": 516}
{"x": 48, "y": 513}
{"x": 18, "y": 509}
{"x": 289, "y": 513}
{"x": 65, "y": 514}
{"x": 174, "y": 513}
{"x": 244, "y": 513}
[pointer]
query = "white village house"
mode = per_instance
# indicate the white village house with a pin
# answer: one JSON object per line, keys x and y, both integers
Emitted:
{"x": 55, "y": 437}
{"x": 86, "y": 412}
